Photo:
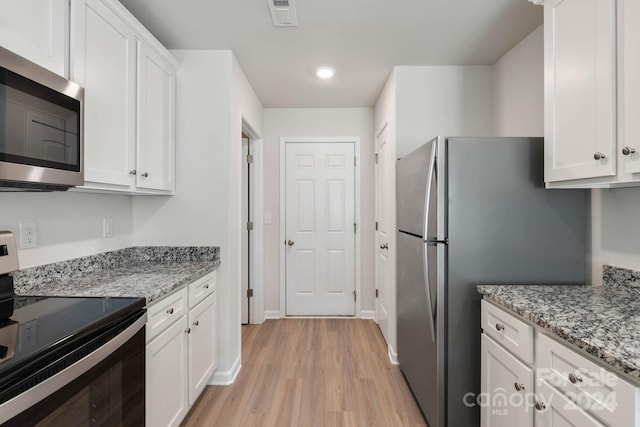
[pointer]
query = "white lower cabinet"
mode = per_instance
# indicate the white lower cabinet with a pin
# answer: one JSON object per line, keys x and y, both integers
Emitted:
{"x": 166, "y": 376}
{"x": 202, "y": 346}
{"x": 506, "y": 382}
{"x": 182, "y": 356}
{"x": 554, "y": 410}
{"x": 567, "y": 389}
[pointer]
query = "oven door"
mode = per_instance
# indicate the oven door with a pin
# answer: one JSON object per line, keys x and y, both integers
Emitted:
{"x": 105, "y": 388}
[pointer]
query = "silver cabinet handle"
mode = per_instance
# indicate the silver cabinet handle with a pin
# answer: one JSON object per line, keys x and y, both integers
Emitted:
{"x": 170, "y": 311}
{"x": 519, "y": 387}
{"x": 187, "y": 331}
{"x": 206, "y": 286}
{"x": 196, "y": 323}
{"x": 540, "y": 406}
{"x": 599, "y": 156}
{"x": 144, "y": 174}
{"x": 384, "y": 246}
{"x": 575, "y": 378}
{"x": 499, "y": 327}
{"x": 628, "y": 150}
{"x": 133, "y": 172}
{"x": 290, "y": 242}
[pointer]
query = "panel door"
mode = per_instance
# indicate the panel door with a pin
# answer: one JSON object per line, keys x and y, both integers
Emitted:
{"x": 629, "y": 86}
{"x": 166, "y": 393}
{"x": 580, "y": 89}
{"x": 156, "y": 121}
{"x": 383, "y": 177}
{"x": 104, "y": 52}
{"x": 38, "y": 31}
{"x": 320, "y": 234}
{"x": 505, "y": 384}
{"x": 202, "y": 346}
{"x": 555, "y": 410}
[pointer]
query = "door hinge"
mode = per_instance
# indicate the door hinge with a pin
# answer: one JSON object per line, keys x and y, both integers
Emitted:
{"x": 376, "y": 293}
{"x": 249, "y": 158}
{"x": 355, "y": 228}
{"x": 249, "y": 293}
{"x": 354, "y": 295}
{"x": 354, "y": 160}
{"x": 376, "y": 158}
{"x": 376, "y": 225}
{"x": 250, "y": 225}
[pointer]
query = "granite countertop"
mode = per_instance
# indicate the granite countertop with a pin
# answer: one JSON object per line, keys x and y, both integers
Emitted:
{"x": 604, "y": 321}
{"x": 149, "y": 272}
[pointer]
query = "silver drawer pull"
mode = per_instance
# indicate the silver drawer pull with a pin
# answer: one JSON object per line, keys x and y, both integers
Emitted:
{"x": 628, "y": 150}
{"x": 540, "y": 406}
{"x": 599, "y": 156}
{"x": 170, "y": 311}
{"x": 519, "y": 387}
{"x": 206, "y": 286}
{"x": 499, "y": 327}
{"x": 575, "y": 378}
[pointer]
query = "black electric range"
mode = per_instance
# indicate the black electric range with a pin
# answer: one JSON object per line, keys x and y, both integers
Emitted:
{"x": 77, "y": 357}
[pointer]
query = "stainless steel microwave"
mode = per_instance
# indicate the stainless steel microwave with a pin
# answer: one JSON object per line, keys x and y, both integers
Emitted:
{"x": 41, "y": 127}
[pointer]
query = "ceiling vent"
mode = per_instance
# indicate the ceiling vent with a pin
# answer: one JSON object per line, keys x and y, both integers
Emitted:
{"x": 283, "y": 13}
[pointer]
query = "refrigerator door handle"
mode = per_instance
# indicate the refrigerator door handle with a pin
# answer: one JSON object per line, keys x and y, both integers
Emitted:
{"x": 428, "y": 290}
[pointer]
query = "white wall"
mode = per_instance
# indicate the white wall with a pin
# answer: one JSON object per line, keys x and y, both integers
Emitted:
{"x": 518, "y": 89}
{"x": 212, "y": 97}
{"x": 301, "y": 122}
{"x": 69, "y": 224}
{"x": 450, "y": 101}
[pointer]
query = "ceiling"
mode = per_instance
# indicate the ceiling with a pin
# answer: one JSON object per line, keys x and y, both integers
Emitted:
{"x": 361, "y": 39}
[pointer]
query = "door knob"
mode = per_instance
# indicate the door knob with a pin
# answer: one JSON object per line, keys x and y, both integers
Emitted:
{"x": 145, "y": 175}
{"x": 628, "y": 150}
{"x": 290, "y": 242}
{"x": 384, "y": 246}
{"x": 599, "y": 156}
{"x": 133, "y": 172}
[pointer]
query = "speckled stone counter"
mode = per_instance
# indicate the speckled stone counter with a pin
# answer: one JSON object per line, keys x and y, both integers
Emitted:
{"x": 149, "y": 272}
{"x": 604, "y": 321}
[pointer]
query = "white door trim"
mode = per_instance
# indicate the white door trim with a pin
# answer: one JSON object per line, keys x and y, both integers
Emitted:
{"x": 256, "y": 266}
{"x": 358, "y": 255}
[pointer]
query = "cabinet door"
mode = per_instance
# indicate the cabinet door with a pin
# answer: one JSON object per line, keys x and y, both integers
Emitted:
{"x": 38, "y": 31}
{"x": 156, "y": 119}
{"x": 555, "y": 410}
{"x": 202, "y": 346}
{"x": 104, "y": 63}
{"x": 506, "y": 382}
{"x": 629, "y": 85}
{"x": 166, "y": 377}
{"x": 580, "y": 89}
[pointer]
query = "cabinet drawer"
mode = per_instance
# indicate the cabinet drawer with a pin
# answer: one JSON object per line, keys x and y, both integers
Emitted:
{"x": 162, "y": 314}
{"x": 513, "y": 334}
{"x": 201, "y": 288}
{"x": 601, "y": 392}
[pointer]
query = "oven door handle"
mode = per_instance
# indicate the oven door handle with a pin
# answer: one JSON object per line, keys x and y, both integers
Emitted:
{"x": 25, "y": 400}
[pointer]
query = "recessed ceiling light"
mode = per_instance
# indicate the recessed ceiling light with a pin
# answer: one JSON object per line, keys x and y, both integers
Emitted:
{"x": 325, "y": 72}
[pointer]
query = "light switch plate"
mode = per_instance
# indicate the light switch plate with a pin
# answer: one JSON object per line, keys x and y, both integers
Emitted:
{"x": 107, "y": 227}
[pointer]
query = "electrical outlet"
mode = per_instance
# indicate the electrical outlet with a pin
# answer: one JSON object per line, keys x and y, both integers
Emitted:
{"x": 28, "y": 335}
{"x": 28, "y": 235}
{"x": 107, "y": 227}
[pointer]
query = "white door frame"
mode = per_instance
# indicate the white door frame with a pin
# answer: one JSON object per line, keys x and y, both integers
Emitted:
{"x": 358, "y": 270}
{"x": 256, "y": 266}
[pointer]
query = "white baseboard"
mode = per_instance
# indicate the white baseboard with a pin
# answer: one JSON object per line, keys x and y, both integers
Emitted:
{"x": 226, "y": 377}
{"x": 393, "y": 356}
{"x": 272, "y": 314}
{"x": 368, "y": 314}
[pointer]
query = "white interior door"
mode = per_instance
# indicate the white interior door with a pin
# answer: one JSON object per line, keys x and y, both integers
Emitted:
{"x": 245, "y": 296}
{"x": 383, "y": 233}
{"x": 320, "y": 232}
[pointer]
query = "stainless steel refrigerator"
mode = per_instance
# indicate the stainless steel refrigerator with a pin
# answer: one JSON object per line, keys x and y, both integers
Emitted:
{"x": 472, "y": 211}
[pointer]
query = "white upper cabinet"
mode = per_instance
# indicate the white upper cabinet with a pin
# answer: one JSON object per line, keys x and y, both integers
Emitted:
{"x": 629, "y": 86}
{"x": 580, "y": 89}
{"x": 104, "y": 62}
{"x": 37, "y": 30}
{"x": 156, "y": 120}
{"x": 129, "y": 81}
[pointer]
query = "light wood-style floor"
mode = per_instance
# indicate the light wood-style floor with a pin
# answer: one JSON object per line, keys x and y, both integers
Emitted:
{"x": 311, "y": 372}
